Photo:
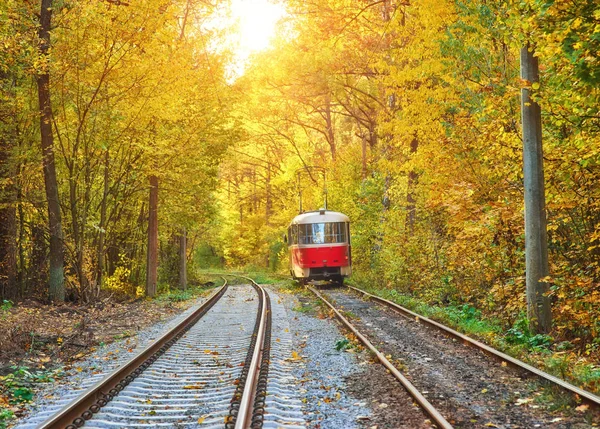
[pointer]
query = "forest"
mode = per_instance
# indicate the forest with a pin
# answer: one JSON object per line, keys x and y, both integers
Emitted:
{"x": 136, "y": 148}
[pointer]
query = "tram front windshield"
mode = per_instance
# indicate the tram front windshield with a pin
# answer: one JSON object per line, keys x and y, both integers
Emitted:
{"x": 322, "y": 233}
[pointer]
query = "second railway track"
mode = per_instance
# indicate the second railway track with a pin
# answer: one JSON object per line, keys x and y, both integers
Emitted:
{"x": 452, "y": 384}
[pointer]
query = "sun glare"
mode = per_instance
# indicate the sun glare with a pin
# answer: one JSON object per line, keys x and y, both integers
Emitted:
{"x": 256, "y": 22}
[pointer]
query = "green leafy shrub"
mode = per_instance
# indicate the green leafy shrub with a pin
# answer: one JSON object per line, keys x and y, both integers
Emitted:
{"x": 520, "y": 334}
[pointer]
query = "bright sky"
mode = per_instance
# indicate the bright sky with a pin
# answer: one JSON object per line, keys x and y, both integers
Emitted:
{"x": 256, "y": 21}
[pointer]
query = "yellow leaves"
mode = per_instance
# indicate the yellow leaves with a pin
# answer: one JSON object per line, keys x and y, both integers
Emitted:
{"x": 194, "y": 386}
{"x": 201, "y": 419}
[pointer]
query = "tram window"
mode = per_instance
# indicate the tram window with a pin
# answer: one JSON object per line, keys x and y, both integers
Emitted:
{"x": 322, "y": 233}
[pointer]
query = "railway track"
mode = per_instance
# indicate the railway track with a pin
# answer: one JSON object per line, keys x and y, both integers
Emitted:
{"x": 429, "y": 409}
{"x": 210, "y": 370}
{"x": 452, "y": 389}
{"x": 502, "y": 357}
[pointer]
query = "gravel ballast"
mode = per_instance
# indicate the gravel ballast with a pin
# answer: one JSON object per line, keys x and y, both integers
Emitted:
{"x": 343, "y": 389}
{"x": 86, "y": 372}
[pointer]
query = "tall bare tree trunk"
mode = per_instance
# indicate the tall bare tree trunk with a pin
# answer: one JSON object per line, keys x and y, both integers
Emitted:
{"x": 269, "y": 201}
{"x": 152, "y": 261}
{"x": 536, "y": 241}
{"x": 57, "y": 278}
{"x": 413, "y": 176}
{"x": 102, "y": 233}
{"x": 8, "y": 212}
{"x": 8, "y": 239}
{"x": 183, "y": 259}
{"x": 364, "y": 156}
{"x": 330, "y": 131}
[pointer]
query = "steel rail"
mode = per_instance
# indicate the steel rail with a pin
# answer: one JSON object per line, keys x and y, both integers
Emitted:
{"x": 585, "y": 395}
{"x": 248, "y": 410}
{"x": 76, "y": 413}
{"x": 247, "y": 401}
{"x": 412, "y": 390}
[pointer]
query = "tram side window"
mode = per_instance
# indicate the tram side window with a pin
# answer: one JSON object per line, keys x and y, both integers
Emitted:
{"x": 294, "y": 234}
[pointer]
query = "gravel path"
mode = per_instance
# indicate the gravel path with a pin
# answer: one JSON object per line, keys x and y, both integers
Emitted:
{"x": 469, "y": 389}
{"x": 343, "y": 389}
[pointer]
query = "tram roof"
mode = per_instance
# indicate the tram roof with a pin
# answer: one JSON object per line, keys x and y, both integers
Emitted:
{"x": 319, "y": 216}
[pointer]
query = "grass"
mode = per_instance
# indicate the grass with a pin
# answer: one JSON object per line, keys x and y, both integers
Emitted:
{"x": 169, "y": 294}
{"x": 305, "y": 307}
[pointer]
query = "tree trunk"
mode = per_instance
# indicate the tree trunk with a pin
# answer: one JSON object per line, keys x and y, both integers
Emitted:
{"x": 364, "y": 157}
{"x": 536, "y": 243}
{"x": 56, "y": 280}
{"x": 152, "y": 261}
{"x": 37, "y": 270}
{"x": 21, "y": 273}
{"x": 411, "y": 209}
{"x": 102, "y": 226}
{"x": 330, "y": 131}
{"x": 183, "y": 260}
{"x": 269, "y": 201}
{"x": 8, "y": 245}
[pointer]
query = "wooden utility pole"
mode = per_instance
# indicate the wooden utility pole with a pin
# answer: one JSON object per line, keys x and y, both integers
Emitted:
{"x": 536, "y": 241}
{"x": 152, "y": 260}
{"x": 57, "y": 279}
{"x": 183, "y": 259}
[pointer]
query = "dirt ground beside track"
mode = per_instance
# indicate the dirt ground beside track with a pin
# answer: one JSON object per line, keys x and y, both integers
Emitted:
{"x": 38, "y": 335}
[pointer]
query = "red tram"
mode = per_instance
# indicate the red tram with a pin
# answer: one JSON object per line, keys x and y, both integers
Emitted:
{"x": 319, "y": 246}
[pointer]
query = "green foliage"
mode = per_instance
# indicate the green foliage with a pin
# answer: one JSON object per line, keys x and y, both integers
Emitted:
{"x": 18, "y": 385}
{"x": 343, "y": 344}
{"x": 169, "y": 294}
{"x": 5, "y": 417}
{"x": 305, "y": 307}
{"x": 206, "y": 256}
{"x": 176, "y": 295}
{"x": 520, "y": 333}
{"x": 260, "y": 276}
